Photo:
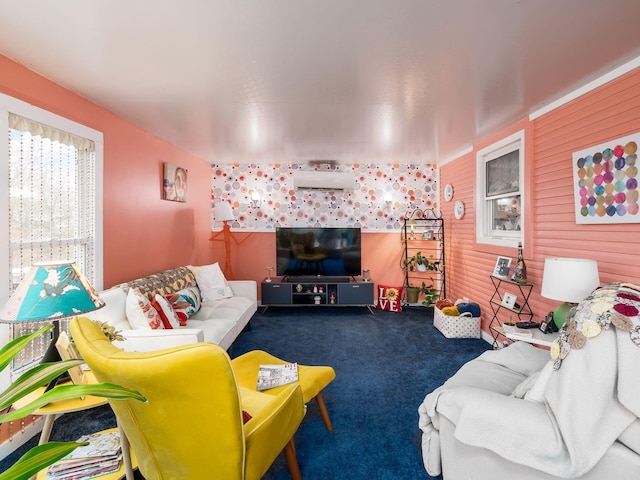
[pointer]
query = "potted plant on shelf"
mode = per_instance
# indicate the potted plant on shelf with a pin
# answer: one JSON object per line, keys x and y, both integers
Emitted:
{"x": 412, "y": 293}
{"x": 421, "y": 263}
{"x": 429, "y": 292}
{"x": 44, "y": 455}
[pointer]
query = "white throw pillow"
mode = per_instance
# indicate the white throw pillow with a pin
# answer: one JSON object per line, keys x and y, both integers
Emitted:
{"x": 140, "y": 312}
{"x": 211, "y": 282}
{"x": 168, "y": 311}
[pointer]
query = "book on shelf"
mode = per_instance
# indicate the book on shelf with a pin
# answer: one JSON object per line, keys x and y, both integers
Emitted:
{"x": 271, "y": 376}
{"x": 102, "y": 455}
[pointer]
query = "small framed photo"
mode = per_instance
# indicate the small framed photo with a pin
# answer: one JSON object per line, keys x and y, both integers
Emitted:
{"x": 68, "y": 351}
{"x": 509, "y": 300}
{"x": 174, "y": 183}
{"x": 428, "y": 235}
{"x": 503, "y": 265}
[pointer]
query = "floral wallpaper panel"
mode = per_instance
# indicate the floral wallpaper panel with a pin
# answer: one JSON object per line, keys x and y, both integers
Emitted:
{"x": 262, "y": 196}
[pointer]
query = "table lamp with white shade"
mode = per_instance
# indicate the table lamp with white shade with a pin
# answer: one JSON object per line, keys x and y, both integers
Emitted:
{"x": 412, "y": 225}
{"x": 568, "y": 280}
{"x": 50, "y": 292}
{"x": 222, "y": 212}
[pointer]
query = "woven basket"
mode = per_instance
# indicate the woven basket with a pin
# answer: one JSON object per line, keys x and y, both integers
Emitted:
{"x": 463, "y": 326}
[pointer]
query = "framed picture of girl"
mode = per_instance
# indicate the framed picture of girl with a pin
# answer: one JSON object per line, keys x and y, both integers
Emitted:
{"x": 174, "y": 183}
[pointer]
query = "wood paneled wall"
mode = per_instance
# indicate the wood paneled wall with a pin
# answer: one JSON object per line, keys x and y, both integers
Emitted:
{"x": 612, "y": 111}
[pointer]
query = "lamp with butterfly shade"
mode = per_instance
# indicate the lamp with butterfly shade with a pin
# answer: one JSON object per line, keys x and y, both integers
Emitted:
{"x": 50, "y": 292}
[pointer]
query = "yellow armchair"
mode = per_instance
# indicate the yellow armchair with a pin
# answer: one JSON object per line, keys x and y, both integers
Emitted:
{"x": 191, "y": 426}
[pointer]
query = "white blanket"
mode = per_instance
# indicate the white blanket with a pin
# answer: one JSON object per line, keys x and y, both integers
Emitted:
{"x": 495, "y": 371}
{"x": 589, "y": 402}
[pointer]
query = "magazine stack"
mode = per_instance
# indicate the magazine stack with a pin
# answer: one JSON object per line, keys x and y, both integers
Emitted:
{"x": 102, "y": 455}
{"x": 271, "y": 376}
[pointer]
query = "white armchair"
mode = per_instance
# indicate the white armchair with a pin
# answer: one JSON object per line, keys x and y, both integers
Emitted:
{"x": 511, "y": 414}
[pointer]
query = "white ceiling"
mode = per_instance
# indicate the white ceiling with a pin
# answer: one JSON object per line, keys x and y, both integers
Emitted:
{"x": 293, "y": 80}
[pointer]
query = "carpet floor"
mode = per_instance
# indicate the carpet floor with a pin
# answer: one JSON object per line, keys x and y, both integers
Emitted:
{"x": 385, "y": 364}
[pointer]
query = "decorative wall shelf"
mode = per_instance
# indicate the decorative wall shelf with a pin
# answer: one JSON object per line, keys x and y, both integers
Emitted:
{"x": 423, "y": 232}
{"x": 521, "y": 312}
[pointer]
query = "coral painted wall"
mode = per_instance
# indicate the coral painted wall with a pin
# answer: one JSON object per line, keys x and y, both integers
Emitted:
{"x": 607, "y": 113}
{"x": 381, "y": 253}
{"x": 142, "y": 233}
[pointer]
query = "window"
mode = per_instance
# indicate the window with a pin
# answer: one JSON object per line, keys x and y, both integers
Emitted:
{"x": 500, "y": 192}
{"x": 53, "y": 210}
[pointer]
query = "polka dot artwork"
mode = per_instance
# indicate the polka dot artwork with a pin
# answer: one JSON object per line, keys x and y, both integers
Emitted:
{"x": 606, "y": 182}
{"x": 381, "y": 196}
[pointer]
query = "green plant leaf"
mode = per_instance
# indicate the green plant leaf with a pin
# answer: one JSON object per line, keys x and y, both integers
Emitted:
{"x": 34, "y": 378}
{"x": 12, "y": 348}
{"x": 38, "y": 458}
{"x": 44, "y": 455}
{"x": 66, "y": 392}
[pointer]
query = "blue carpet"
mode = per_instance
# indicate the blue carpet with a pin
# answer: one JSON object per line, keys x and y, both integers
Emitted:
{"x": 385, "y": 364}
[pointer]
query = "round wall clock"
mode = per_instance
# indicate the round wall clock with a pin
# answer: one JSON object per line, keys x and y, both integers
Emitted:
{"x": 448, "y": 192}
{"x": 458, "y": 210}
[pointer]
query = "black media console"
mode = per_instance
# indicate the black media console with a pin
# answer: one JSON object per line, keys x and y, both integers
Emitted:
{"x": 317, "y": 291}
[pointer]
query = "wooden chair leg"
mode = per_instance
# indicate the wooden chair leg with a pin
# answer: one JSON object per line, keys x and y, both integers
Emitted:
{"x": 292, "y": 460}
{"x": 323, "y": 412}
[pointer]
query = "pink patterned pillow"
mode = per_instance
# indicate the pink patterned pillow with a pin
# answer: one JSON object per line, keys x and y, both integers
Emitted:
{"x": 140, "y": 312}
{"x": 167, "y": 314}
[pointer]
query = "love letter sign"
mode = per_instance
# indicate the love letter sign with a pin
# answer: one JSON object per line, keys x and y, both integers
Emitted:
{"x": 389, "y": 298}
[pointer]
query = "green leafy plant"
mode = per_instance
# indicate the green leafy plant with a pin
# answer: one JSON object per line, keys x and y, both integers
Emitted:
{"x": 412, "y": 263}
{"x": 430, "y": 294}
{"x": 46, "y": 454}
{"x": 109, "y": 331}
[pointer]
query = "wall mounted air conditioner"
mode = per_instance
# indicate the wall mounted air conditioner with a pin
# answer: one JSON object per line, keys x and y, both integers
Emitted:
{"x": 318, "y": 180}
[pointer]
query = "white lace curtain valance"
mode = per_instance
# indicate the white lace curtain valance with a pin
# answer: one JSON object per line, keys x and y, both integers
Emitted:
{"x": 35, "y": 128}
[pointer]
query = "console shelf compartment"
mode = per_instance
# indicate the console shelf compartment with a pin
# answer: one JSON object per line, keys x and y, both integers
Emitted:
{"x": 319, "y": 293}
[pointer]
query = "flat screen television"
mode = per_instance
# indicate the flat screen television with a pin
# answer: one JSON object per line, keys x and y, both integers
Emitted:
{"x": 311, "y": 251}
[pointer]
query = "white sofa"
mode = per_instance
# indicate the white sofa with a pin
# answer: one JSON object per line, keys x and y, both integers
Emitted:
{"x": 217, "y": 321}
{"x": 516, "y": 413}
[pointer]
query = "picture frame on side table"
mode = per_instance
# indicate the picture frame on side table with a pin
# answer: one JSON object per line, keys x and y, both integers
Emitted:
{"x": 509, "y": 300}
{"x": 502, "y": 268}
{"x": 68, "y": 351}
